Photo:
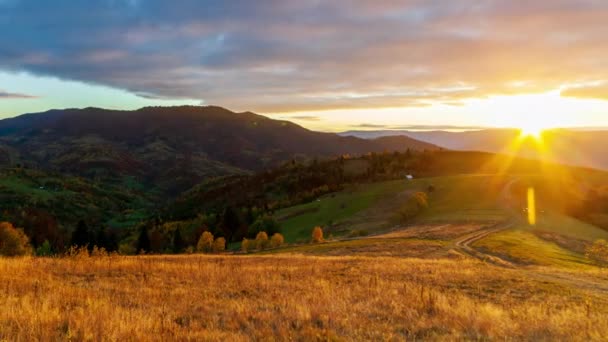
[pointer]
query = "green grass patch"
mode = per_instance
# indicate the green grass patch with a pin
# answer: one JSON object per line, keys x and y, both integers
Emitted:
{"x": 524, "y": 247}
{"x": 297, "y": 222}
{"x": 568, "y": 226}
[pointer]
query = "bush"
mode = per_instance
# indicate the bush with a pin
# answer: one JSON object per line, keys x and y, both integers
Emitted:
{"x": 261, "y": 241}
{"x": 13, "y": 241}
{"x": 414, "y": 205}
{"x": 598, "y": 252}
{"x": 245, "y": 245}
{"x": 276, "y": 240}
{"x": 205, "y": 243}
{"x": 44, "y": 249}
{"x": 317, "y": 234}
{"x": 219, "y": 245}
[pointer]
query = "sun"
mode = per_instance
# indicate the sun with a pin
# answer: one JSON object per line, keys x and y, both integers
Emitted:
{"x": 532, "y": 130}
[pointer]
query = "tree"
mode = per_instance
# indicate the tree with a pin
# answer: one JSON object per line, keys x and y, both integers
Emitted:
{"x": 81, "y": 236}
{"x": 317, "y": 234}
{"x": 13, "y": 241}
{"x": 219, "y": 245}
{"x": 245, "y": 245}
{"x": 414, "y": 205}
{"x": 276, "y": 240}
{"x": 205, "y": 243}
{"x": 230, "y": 223}
{"x": 261, "y": 240}
{"x": 266, "y": 224}
{"x": 143, "y": 241}
{"x": 178, "y": 242}
{"x": 598, "y": 252}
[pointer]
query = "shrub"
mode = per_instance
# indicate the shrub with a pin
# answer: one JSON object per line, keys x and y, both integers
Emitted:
{"x": 276, "y": 240}
{"x": 13, "y": 241}
{"x": 261, "y": 240}
{"x": 126, "y": 249}
{"x": 414, "y": 205}
{"x": 44, "y": 249}
{"x": 205, "y": 243}
{"x": 598, "y": 252}
{"x": 219, "y": 245}
{"x": 245, "y": 245}
{"x": 317, "y": 234}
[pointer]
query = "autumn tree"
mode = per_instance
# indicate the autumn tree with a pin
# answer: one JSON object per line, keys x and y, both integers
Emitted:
{"x": 261, "y": 240}
{"x": 317, "y": 234}
{"x": 414, "y": 205}
{"x": 13, "y": 241}
{"x": 219, "y": 245}
{"x": 245, "y": 245}
{"x": 205, "y": 243}
{"x": 276, "y": 240}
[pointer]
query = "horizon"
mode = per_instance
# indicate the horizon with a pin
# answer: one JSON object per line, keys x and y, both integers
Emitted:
{"x": 419, "y": 63}
{"x": 344, "y": 129}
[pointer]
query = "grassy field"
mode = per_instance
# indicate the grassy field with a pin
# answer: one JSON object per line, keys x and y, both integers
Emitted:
{"x": 298, "y": 221}
{"x": 373, "y": 207}
{"x": 240, "y": 298}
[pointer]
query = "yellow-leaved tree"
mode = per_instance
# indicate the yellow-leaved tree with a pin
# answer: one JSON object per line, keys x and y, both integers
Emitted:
{"x": 205, "y": 243}
{"x": 13, "y": 241}
{"x": 317, "y": 234}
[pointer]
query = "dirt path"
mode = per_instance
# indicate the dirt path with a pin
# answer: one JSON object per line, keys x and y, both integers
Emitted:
{"x": 464, "y": 243}
{"x": 594, "y": 287}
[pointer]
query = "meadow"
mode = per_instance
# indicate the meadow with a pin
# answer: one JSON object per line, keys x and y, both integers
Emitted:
{"x": 293, "y": 297}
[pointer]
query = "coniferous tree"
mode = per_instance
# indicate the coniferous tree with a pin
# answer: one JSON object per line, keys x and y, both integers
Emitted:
{"x": 143, "y": 241}
{"x": 230, "y": 223}
{"x": 80, "y": 236}
{"x": 178, "y": 242}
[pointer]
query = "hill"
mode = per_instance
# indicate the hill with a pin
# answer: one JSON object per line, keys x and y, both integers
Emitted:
{"x": 170, "y": 147}
{"x": 573, "y": 147}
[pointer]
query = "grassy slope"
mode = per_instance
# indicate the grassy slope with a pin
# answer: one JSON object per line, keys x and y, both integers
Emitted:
{"x": 463, "y": 198}
{"x": 556, "y": 240}
{"x": 298, "y": 221}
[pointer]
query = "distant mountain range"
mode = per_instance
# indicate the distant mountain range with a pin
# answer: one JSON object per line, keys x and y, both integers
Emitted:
{"x": 171, "y": 148}
{"x": 569, "y": 146}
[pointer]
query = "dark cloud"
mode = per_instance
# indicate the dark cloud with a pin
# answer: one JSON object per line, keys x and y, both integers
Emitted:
{"x": 279, "y": 56}
{"x": 6, "y": 95}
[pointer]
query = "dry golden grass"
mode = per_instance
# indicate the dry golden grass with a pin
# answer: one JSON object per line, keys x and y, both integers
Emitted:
{"x": 291, "y": 297}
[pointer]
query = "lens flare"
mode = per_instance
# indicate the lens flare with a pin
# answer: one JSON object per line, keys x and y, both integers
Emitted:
{"x": 531, "y": 206}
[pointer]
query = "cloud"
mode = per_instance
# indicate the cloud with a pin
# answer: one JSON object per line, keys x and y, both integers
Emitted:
{"x": 6, "y": 95}
{"x": 278, "y": 56}
{"x": 419, "y": 127}
{"x": 598, "y": 91}
{"x": 368, "y": 125}
{"x": 303, "y": 118}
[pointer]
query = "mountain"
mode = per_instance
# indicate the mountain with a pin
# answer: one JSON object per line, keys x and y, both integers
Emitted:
{"x": 574, "y": 147}
{"x": 171, "y": 148}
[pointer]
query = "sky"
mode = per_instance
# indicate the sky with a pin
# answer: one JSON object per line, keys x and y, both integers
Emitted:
{"x": 327, "y": 65}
